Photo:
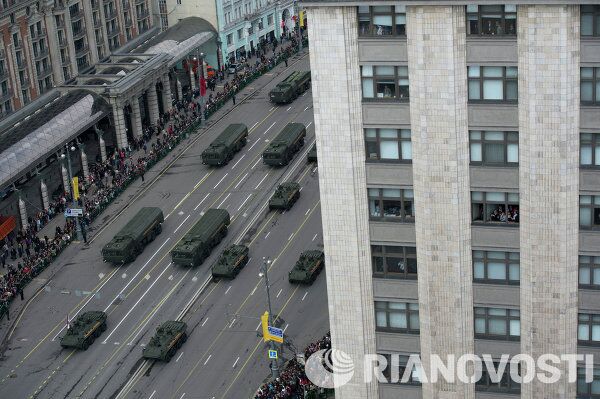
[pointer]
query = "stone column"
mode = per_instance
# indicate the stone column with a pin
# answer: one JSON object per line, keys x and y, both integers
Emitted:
{"x": 167, "y": 100}
{"x": 102, "y": 145}
{"x": 192, "y": 78}
{"x": 84, "y": 162}
{"x": 136, "y": 118}
{"x": 549, "y": 59}
{"x": 119, "y": 122}
{"x": 179, "y": 90}
{"x": 23, "y": 213}
{"x": 65, "y": 177}
{"x": 153, "y": 104}
{"x": 44, "y": 192}
{"x": 335, "y": 69}
{"x": 440, "y": 142}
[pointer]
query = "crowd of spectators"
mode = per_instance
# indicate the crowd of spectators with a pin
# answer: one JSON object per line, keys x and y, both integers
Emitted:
{"x": 106, "y": 180}
{"x": 292, "y": 382}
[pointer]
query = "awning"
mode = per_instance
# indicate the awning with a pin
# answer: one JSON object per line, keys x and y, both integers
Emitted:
{"x": 7, "y": 224}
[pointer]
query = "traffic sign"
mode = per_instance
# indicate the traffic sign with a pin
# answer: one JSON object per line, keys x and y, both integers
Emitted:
{"x": 276, "y": 334}
{"x": 72, "y": 212}
{"x": 272, "y": 354}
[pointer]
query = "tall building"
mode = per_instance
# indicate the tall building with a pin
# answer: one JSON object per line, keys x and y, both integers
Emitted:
{"x": 459, "y": 153}
{"x": 45, "y": 43}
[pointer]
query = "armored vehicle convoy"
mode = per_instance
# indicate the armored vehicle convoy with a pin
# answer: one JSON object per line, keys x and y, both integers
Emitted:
{"x": 128, "y": 243}
{"x": 308, "y": 267}
{"x": 290, "y": 88}
{"x": 231, "y": 261}
{"x": 222, "y": 150}
{"x": 169, "y": 337}
{"x": 285, "y": 196}
{"x": 282, "y": 149}
{"x": 84, "y": 330}
{"x": 312, "y": 154}
{"x": 197, "y": 244}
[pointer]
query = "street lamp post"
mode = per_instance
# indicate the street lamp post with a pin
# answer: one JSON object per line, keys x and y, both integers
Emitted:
{"x": 73, "y": 203}
{"x": 297, "y": 12}
{"x": 264, "y": 273}
{"x": 200, "y": 70}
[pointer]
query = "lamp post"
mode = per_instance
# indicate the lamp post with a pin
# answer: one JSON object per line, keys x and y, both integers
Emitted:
{"x": 263, "y": 273}
{"x": 297, "y": 12}
{"x": 202, "y": 89}
{"x": 73, "y": 203}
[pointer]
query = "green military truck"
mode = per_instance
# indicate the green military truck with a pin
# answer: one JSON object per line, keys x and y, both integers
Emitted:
{"x": 131, "y": 240}
{"x": 282, "y": 149}
{"x": 169, "y": 337}
{"x": 308, "y": 267}
{"x": 290, "y": 88}
{"x": 230, "y": 141}
{"x": 285, "y": 196}
{"x": 197, "y": 244}
{"x": 312, "y": 154}
{"x": 231, "y": 262}
{"x": 84, "y": 331}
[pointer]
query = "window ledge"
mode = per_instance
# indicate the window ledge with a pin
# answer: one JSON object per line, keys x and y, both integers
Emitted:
{"x": 392, "y": 162}
{"x": 376, "y": 38}
{"x": 494, "y": 38}
{"x": 385, "y": 101}
{"x": 498, "y": 224}
{"x": 493, "y": 102}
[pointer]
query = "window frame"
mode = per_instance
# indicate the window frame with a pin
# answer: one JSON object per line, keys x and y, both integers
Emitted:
{"x": 403, "y": 362}
{"x": 588, "y": 385}
{"x": 402, "y": 218}
{"x": 384, "y": 252}
{"x": 487, "y": 217}
{"x": 595, "y": 81}
{"x": 593, "y": 321}
{"x": 508, "y": 139}
{"x": 483, "y": 256}
{"x": 592, "y": 265}
{"x": 507, "y": 318}
{"x": 594, "y": 206}
{"x": 595, "y": 14}
{"x": 594, "y": 143}
{"x": 372, "y": 32}
{"x": 503, "y": 17}
{"x": 505, "y": 385}
{"x": 377, "y": 141}
{"x": 481, "y": 78}
{"x": 410, "y": 309}
{"x": 377, "y": 79}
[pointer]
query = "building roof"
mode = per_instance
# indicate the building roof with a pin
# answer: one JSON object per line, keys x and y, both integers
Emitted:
{"x": 316, "y": 3}
{"x": 178, "y": 33}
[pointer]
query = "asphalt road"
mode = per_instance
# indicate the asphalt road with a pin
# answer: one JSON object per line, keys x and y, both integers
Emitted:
{"x": 224, "y": 357}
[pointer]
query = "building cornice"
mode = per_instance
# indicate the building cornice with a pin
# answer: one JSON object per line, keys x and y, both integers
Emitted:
{"x": 343, "y": 3}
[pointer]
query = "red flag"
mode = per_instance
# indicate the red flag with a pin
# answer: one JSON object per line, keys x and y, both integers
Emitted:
{"x": 202, "y": 86}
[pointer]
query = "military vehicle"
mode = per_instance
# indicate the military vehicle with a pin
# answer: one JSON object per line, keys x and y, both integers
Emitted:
{"x": 290, "y": 88}
{"x": 84, "y": 331}
{"x": 312, "y": 154}
{"x": 285, "y": 196}
{"x": 128, "y": 243}
{"x": 231, "y": 261}
{"x": 230, "y": 141}
{"x": 308, "y": 267}
{"x": 169, "y": 337}
{"x": 282, "y": 149}
{"x": 197, "y": 244}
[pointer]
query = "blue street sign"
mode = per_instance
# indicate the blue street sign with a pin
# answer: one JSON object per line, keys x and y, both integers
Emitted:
{"x": 272, "y": 354}
{"x": 276, "y": 333}
{"x": 72, "y": 212}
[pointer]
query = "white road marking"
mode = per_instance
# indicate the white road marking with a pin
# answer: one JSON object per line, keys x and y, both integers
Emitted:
{"x": 136, "y": 303}
{"x": 244, "y": 203}
{"x": 305, "y": 294}
{"x": 307, "y": 212}
{"x": 178, "y": 357}
{"x": 170, "y": 278}
{"x": 207, "y": 359}
{"x": 236, "y": 361}
{"x": 228, "y": 288}
{"x": 222, "y": 178}
{"x": 260, "y": 182}
{"x": 231, "y": 324}
{"x": 309, "y": 123}
{"x": 182, "y": 395}
{"x": 253, "y": 126}
{"x": 124, "y": 275}
{"x": 241, "y": 181}
{"x": 315, "y": 237}
{"x": 305, "y": 93}
{"x": 267, "y": 235}
{"x": 291, "y": 236}
{"x": 181, "y": 224}
{"x": 306, "y": 109}
{"x": 117, "y": 343}
{"x": 286, "y": 326}
{"x": 101, "y": 276}
{"x": 235, "y": 164}
{"x": 253, "y": 291}
{"x": 257, "y": 327}
{"x": 153, "y": 393}
{"x": 315, "y": 169}
{"x": 200, "y": 203}
{"x": 272, "y": 108}
{"x": 147, "y": 277}
{"x": 301, "y": 188}
{"x": 288, "y": 109}
{"x": 256, "y": 142}
{"x": 218, "y": 206}
{"x": 200, "y": 181}
{"x": 204, "y": 322}
{"x": 279, "y": 293}
{"x": 256, "y": 163}
{"x": 269, "y": 128}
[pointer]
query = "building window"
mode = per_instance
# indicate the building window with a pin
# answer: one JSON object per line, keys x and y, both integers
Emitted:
{"x": 390, "y": 261}
{"x": 590, "y": 86}
{"x": 589, "y": 147}
{"x": 588, "y": 390}
{"x": 496, "y": 267}
{"x": 240, "y": 34}
{"x": 494, "y": 207}
{"x": 590, "y": 21}
{"x": 179, "y": 2}
{"x": 588, "y": 331}
{"x": 492, "y": 20}
{"x": 392, "y": 204}
{"x": 230, "y": 39}
{"x": 589, "y": 272}
{"x": 270, "y": 19}
{"x": 388, "y": 145}
{"x": 400, "y": 363}
{"x": 589, "y": 211}
{"x": 494, "y": 148}
{"x": 500, "y": 383}
{"x": 382, "y": 21}
{"x": 493, "y": 83}
{"x": 397, "y": 317}
{"x": 260, "y": 24}
{"x": 497, "y": 323}
{"x": 385, "y": 83}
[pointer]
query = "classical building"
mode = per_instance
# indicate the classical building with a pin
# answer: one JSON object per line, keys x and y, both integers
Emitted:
{"x": 45, "y": 43}
{"x": 459, "y": 153}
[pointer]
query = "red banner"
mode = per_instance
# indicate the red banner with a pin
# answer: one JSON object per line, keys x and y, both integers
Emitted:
{"x": 202, "y": 86}
{"x": 7, "y": 224}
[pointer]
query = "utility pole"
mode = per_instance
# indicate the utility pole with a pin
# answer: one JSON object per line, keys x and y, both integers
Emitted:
{"x": 264, "y": 273}
{"x": 73, "y": 203}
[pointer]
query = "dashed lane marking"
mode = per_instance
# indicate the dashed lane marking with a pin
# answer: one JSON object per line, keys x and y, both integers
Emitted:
{"x": 181, "y": 224}
{"x": 220, "y": 181}
{"x": 225, "y": 199}
{"x": 204, "y": 322}
{"x": 304, "y": 296}
{"x": 235, "y": 164}
{"x": 260, "y": 182}
{"x": 207, "y": 359}
{"x": 200, "y": 203}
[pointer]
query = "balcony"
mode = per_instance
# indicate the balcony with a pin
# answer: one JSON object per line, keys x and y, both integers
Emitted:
{"x": 65, "y": 61}
{"x": 81, "y": 50}
{"x": 62, "y": 41}
{"x": 37, "y": 34}
{"x": 111, "y": 14}
{"x": 7, "y": 95}
{"x": 78, "y": 34}
{"x": 43, "y": 72}
{"x": 77, "y": 15}
{"x": 142, "y": 14}
{"x": 39, "y": 54}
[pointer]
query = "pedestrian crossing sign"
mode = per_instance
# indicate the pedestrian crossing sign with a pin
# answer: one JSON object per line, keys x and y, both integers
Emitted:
{"x": 272, "y": 354}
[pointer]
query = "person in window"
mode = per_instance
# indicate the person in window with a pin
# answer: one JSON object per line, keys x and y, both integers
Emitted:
{"x": 488, "y": 28}
{"x": 387, "y": 92}
{"x": 379, "y": 30}
{"x": 495, "y": 216}
{"x": 498, "y": 28}
{"x": 503, "y": 217}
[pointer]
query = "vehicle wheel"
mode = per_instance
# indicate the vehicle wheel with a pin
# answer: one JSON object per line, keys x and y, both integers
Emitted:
{"x": 85, "y": 345}
{"x": 184, "y": 338}
{"x": 159, "y": 229}
{"x": 103, "y": 327}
